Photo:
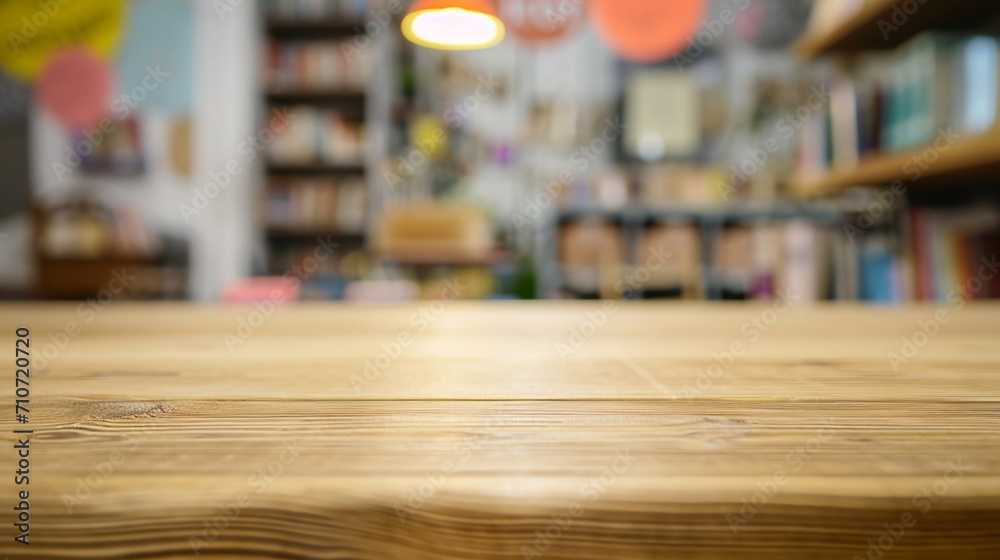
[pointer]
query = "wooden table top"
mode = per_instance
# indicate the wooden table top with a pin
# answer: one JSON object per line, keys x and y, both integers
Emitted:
{"x": 506, "y": 430}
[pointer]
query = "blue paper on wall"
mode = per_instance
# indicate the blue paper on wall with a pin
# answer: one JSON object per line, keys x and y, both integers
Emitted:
{"x": 159, "y": 43}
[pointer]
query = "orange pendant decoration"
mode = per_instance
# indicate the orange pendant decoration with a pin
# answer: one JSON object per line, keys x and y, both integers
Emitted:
{"x": 647, "y": 30}
{"x": 534, "y": 22}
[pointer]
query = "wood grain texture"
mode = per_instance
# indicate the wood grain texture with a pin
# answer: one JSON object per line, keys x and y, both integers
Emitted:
{"x": 503, "y": 438}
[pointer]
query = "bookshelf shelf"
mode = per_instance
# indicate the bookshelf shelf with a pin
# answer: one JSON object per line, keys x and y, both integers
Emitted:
{"x": 294, "y": 28}
{"x": 296, "y": 233}
{"x": 974, "y": 158}
{"x": 315, "y": 97}
{"x": 315, "y": 169}
{"x": 869, "y": 28}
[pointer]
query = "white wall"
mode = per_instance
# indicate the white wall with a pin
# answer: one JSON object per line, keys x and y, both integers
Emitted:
{"x": 226, "y": 111}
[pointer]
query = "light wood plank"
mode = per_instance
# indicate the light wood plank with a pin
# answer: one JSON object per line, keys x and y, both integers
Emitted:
{"x": 482, "y": 413}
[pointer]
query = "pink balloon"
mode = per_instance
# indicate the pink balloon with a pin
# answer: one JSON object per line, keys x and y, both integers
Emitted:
{"x": 76, "y": 87}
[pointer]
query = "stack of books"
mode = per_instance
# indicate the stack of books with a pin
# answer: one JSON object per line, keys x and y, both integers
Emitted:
{"x": 316, "y": 65}
{"x": 316, "y": 135}
{"x": 317, "y": 204}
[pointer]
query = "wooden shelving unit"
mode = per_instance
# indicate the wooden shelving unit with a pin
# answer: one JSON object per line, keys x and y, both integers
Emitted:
{"x": 869, "y": 28}
{"x": 350, "y": 101}
{"x": 973, "y": 157}
{"x": 311, "y": 233}
{"x": 315, "y": 169}
{"x": 313, "y": 29}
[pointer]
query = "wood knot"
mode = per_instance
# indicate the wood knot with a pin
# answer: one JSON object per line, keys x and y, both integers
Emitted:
{"x": 127, "y": 410}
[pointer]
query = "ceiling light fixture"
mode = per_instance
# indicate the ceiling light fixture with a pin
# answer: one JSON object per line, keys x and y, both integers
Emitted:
{"x": 453, "y": 24}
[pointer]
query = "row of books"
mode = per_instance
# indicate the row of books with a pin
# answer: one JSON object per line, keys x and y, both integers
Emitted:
{"x": 592, "y": 260}
{"x": 354, "y": 9}
{"x": 331, "y": 65}
{"x": 931, "y": 255}
{"x": 311, "y": 204}
{"x": 934, "y": 82}
{"x": 316, "y": 135}
{"x": 664, "y": 184}
{"x": 934, "y": 255}
{"x": 940, "y": 80}
{"x": 797, "y": 259}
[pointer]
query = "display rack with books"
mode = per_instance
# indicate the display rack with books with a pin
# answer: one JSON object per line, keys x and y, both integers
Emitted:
{"x": 802, "y": 253}
{"x": 914, "y": 126}
{"x": 931, "y": 93}
{"x": 315, "y": 204}
{"x": 318, "y": 136}
{"x": 748, "y": 251}
{"x": 316, "y": 165}
{"x": 933, "y": 252}
{"x": 318, "y": 65}
{"x": 922, "y": 112}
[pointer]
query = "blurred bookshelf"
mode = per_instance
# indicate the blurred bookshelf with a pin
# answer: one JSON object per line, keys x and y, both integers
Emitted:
{"x": 341, "y": 98}
{"x": 689, "y": 252}
{"x": 316, "y": 167}
{"x": 970, "y": 159}
{"x": 274, "y": 168}
{"x": 909, "y": 131}
{"x": 862, "y": 25}
{"x": 929, "y": 67}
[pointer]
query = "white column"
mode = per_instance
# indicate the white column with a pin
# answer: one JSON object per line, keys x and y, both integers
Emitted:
{"x": 226, "y": 112}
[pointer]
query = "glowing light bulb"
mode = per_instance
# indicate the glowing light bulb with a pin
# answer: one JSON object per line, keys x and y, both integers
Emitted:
{"x": 453, "y": 25}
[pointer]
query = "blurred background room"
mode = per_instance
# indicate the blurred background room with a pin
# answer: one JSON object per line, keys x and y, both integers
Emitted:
{"x": 240, "y": 150}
